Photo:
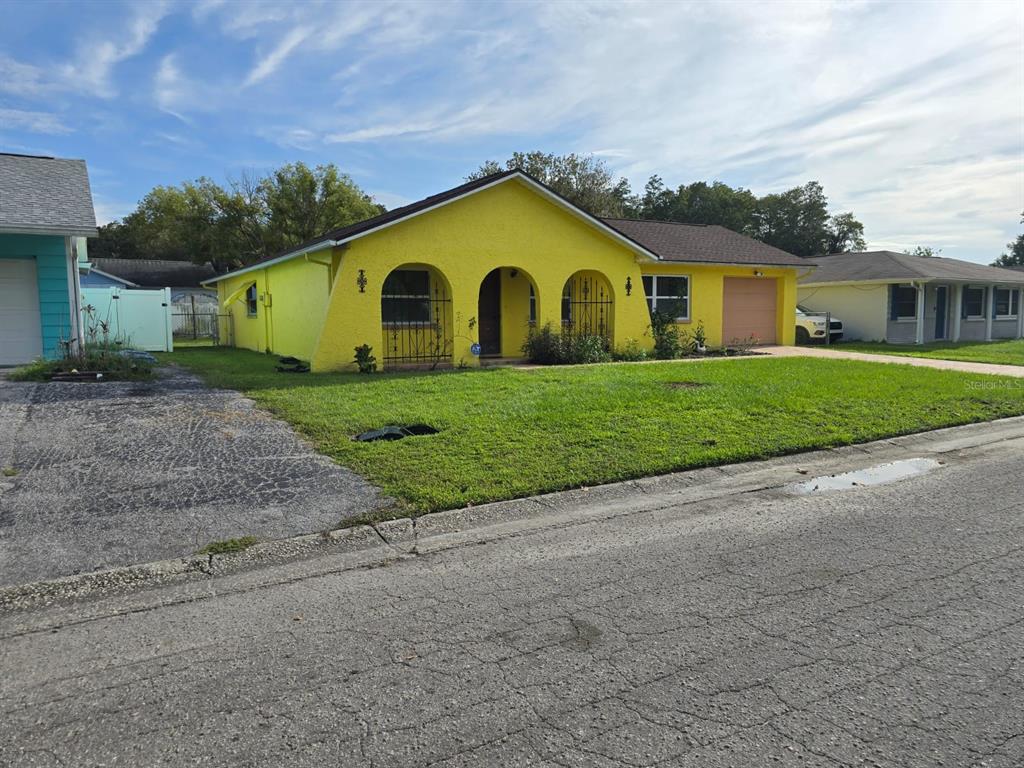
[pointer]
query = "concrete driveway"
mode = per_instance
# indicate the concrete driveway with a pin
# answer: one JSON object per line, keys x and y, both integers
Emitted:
{"x": 100, "y": 475}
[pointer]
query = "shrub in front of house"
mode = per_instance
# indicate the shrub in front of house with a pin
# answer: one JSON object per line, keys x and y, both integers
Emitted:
{"x": 114, "y": 363}
{"x": 546, "y": 346}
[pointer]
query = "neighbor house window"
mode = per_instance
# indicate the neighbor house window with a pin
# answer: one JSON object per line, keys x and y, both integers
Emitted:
{"x": 904, "y": 302}
{"x": 1007, "y": 302}
{"x": 251, "y": 301}
{"x": 974, "y": 303}
{"x": 668, "y": 293}
{"x": 405, "y": 297}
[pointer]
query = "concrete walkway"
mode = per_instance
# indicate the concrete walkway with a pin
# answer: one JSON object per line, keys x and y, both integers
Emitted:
{"x": 922, "y": 362}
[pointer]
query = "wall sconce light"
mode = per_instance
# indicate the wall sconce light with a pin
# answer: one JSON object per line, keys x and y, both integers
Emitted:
{"x": 361, "y": 281}
{"x": 629, "y": 286}
{"x": 513, "y": 273}
{"x": 758, "y": 273}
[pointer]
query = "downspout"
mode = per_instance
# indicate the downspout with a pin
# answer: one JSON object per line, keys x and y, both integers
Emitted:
{"x": 919, "y": 328}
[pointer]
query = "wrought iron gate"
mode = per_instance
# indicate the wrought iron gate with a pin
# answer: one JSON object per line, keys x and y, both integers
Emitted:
{"x": 587, "y": 307}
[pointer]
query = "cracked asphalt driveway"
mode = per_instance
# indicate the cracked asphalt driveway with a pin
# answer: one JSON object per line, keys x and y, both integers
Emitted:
{"x": 125, "y": 472}
{"x": 878, "y": 626}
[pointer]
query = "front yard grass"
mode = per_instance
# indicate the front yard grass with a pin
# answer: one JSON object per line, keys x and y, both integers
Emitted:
{"x": 1010, "y": 352}
{"x": 506, "y": 433}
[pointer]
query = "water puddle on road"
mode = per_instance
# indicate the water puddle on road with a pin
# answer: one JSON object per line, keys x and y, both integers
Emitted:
{"x": 883, "y": 473}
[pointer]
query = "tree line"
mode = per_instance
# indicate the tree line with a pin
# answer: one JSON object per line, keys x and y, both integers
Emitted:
{"x": 258, "y": 216}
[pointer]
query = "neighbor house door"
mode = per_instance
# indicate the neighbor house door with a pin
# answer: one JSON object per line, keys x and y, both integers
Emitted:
{"x": 489, "y": 314}
{"x": 941, "y": 304}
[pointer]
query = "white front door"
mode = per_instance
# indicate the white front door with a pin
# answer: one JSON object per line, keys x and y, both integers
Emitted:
{"x": 21, "y": 335}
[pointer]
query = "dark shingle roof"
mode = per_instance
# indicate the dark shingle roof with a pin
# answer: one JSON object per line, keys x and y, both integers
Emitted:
{"x": 156, "y": 273}
{"x": 397, "y": 214}
{"x": 704, "y": 243}
{"x": 45, "y": 196}
{"x": 890, "y": 266}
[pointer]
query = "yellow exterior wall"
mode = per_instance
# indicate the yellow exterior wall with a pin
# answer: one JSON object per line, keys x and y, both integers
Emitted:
{"x": 509, "y": 226}
{"x": 706, "y": 295}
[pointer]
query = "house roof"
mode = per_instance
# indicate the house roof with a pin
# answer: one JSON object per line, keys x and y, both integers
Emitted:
{"x": 709, "y": 243}
{"x": 361, "y": 228}
{"x": 893, "y": 267}
{"x": 45, "y": 196}
{"x": 157, "y": 273}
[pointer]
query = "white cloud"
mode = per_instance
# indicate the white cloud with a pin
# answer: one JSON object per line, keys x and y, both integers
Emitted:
{"x": 94, "y": 64}
{"x": 273, "y": 60}
{"x": 34, "y": 122}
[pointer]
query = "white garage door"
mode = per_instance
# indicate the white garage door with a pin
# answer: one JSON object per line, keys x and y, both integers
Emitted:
{"x": 21, "y": 338}
{"x": 749, "y": 310}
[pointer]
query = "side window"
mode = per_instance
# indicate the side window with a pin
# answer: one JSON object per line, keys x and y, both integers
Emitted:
{"x": 405, "y": 297}
{"x": 668, "y": 293}
{"x": 904, "y": 302}
{"x": 251, "y": 303}
{"x": 974, "y": 302}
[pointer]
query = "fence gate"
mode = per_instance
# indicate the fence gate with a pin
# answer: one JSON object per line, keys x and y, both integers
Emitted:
{"x": 136, "y": 318}
{"x": 587, "y": 307}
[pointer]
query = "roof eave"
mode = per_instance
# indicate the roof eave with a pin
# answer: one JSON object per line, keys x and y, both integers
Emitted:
{"x": 594, "y": 221}
{"x": 62, "y": 231}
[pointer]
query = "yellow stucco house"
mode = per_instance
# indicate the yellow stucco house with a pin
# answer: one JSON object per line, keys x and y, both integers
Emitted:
{"x": 462, "y": 275}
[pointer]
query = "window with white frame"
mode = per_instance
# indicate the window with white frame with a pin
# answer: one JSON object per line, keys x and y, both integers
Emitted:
{"x": 251, "y": 301}
{"x": 904, "y": 302}
{"x": 533, "y": 306}
{"x": 1007, "y": 301}
{"x": 405, "y": 297}
{"x": 974, "y": 302}
{"x": 668, "y": 293}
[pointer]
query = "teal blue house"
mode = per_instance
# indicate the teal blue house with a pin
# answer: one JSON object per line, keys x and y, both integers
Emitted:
{"x": 45, "y": 210}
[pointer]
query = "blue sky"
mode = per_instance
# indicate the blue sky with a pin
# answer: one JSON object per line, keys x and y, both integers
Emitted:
{"x": 910, "y": 114}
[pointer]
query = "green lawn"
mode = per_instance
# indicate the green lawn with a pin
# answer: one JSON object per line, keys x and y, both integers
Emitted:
{"x": 1005, "y": 352}
{"x": 507, "y": 433}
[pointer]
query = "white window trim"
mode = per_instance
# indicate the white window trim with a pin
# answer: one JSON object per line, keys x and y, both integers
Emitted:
{"x": 1014, "y": 299}
{"x": 908, "y": 318}
{"x": 975, "y": 318}
{"x": 256, "y": 301}
{"x": 654, "y": 297}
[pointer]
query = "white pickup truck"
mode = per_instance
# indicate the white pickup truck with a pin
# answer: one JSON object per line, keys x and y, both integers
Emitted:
{"x": 810, "y": 326}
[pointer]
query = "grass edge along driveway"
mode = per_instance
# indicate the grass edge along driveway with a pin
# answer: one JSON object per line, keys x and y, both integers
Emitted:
{"x": 1007, "y": 352}
{"x": 507, "y": 433}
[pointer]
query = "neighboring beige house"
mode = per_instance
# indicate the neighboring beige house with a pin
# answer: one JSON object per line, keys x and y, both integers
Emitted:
{"x": 904, "y": 299}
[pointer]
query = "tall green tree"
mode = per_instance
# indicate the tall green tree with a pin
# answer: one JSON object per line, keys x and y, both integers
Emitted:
{"x": 250, "y": 218}
{"x": 844, "y": 234}
{"x": 584, "y": 180}
{"x": 1014, "y": 256}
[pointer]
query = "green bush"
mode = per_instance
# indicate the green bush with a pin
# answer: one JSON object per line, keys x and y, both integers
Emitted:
{"x": 631, "y": 352}
{"x": 365, "y": 359}
{"x": 543, "y": 346}
{"x": 667, "y": 343}
{"x": 111, "y": 361}
{"x": 549, "y": 347}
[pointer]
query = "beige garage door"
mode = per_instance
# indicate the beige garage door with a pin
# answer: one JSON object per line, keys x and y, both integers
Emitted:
{"x": 749, "y": 309}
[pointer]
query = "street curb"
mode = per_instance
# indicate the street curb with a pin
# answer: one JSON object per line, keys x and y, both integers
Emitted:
{"x": 404, "y": 537}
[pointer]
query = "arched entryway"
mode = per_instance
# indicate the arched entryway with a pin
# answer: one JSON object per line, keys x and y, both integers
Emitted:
{"x": 416, "y": 317}
{"x": 506, "y": 308}
{"x": 588, "y": 305}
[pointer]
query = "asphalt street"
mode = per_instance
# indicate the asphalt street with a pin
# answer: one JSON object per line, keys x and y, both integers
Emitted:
{"x": 874, "y": 626}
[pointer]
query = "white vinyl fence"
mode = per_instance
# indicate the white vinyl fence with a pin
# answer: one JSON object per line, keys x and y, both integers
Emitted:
{"x": 137, "y": 318}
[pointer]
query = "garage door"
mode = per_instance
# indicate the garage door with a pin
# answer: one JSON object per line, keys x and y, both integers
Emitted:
{"x": 749, "y": 310}
{"x": 21, "y": 338}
